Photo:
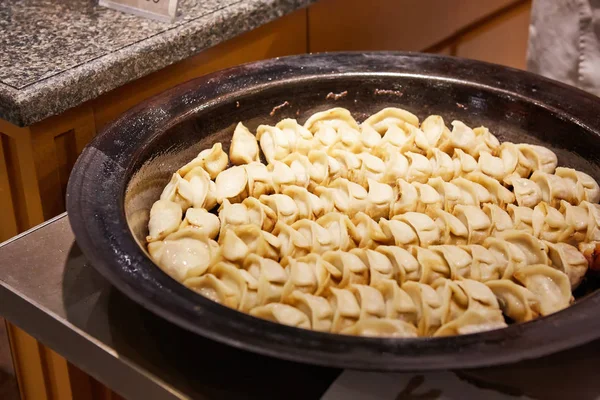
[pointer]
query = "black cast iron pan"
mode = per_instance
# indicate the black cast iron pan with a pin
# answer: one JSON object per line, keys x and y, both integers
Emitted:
{"x": 123, "y": 170}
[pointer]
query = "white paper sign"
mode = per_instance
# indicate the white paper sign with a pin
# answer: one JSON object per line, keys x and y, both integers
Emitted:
{"x": 162, "y": 10}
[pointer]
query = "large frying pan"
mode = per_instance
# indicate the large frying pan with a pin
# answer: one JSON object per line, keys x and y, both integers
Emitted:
{"x": 122, "y": 171}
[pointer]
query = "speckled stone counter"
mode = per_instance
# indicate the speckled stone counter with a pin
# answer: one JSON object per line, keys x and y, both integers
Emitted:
{"x": 57, "y": 55}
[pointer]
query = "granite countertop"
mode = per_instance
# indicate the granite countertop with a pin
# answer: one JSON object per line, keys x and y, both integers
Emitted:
{"x": 57, "y": 55}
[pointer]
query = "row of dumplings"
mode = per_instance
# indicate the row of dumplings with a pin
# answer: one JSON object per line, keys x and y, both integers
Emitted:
{"x": 456, "y": 307}
{"x": 313, "y": 265}
{"x": 336, "y": 290}
{"x": 293, "y": 202}
{"x": 392, "y": 133}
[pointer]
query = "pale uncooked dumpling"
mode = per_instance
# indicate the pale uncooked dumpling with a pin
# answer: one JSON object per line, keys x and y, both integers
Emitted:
{"x": 243, "y": 148}
{"x": 165, "y": 218}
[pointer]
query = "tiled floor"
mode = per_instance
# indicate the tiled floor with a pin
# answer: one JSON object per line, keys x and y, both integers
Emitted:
{"x": 8, "y": 381}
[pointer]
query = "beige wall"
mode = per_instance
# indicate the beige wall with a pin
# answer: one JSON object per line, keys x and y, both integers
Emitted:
{"x": 488, "y": 30}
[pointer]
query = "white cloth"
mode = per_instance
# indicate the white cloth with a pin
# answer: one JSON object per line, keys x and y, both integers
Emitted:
{"x": 564, "y": 42}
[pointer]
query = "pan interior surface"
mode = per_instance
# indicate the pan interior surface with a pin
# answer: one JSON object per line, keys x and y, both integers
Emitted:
{"x": 136, "y": 156}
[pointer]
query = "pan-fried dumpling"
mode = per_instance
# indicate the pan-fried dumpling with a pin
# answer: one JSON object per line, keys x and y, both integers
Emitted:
{"x": 568, "y": 260}
{"x": 500, "y": 220}
{"x": 472, "y": 193}
{"x": 553, "y": 188}
{"x": 398, "y": 304}
{"x": 551, "y": 286}
{"x": 342, "y": 195}
{"x": 270, "y": 278}
{"x": 259, "y": 179}
{"x": 165, "y": 218}
{"x": 450, "y": 193}
{"x": 429, "y": 199}
{"x": 346, "y": 159}
{"x": 281, "y": 175}
{"x": 201, "y": 219}
{"x": 233, "y": 214}
{"x": 389, "y": 118}
{"x": 576, "y": 218}
{"x": 341, "y": 230}
{"x": 334, "y": 116}
{"x": 256, "y": 213}
{"x": 424, "y": 227}
{"x": 537, "y": 158}
{"x": 533, "y": 249}
{"x": 282, "y": 314}
{"x": 470, "y": 307}
{"x": 316, "y": 308}
{"x": 459, "y": 260}
{"x": 351, "y": 268}
{"x": 224, "y": 284}
{"x": 273, "y": 143}
{"x": 527, "y": 192}
{"x": 309, "y": 205}
{"x": 185, "y": 253}
{"x": 428, "y": 304}
{"x": 379, "y": 199}
{"x": 257, "y": 241}
{"x": 242, "y": 283}
{"x": 400, "y": 232}
{"x": 346, "y": 309}
{"x": 419, "y": 168}
{"x": 372, "y": 304}
{"x": 213, "y": 288}
{"x": 300, "y": 167}
{"x": 475, "y": 220}
{"x": 299, "y": 138}
{"x": 433, "y": 266}
{"x": 435, "y": 130}
{"x": 516, "y": 301}
{"x": 442, "y": 165}
{"x": 309, "y": 274}
{"x": 179, "y": 191}
{"x": 213, "y": 161}
{"x": 509, "y": 258}
{"x": 499, "y": 194}
{"x": 406, "y": 199}
{"x": 491, "y": 166}
{"x": 244, "y": 147}
{"x": 522, "y": 218}
{"x": 471, "y": 322}
{"x": 283, "y": 206}
{"x": 369, "y": 233}
{"x": 463, "y": 163}
{"x": 381, "y": 328}
{"x": 317, "y": 236}
{"x": 549, "y": 224}
{"x": 593, "y": 221}
{"x": 202, "y": 188}
{"x": 485, "y": 264}
{"x": 452, "y": 230}
{"x": 404, "y": 263}
{"x": 371, "y": 167}
{"x": 292, "y": 243}
{"x": 380, "y": 266}
{"x": 580, "y": 185}
{"x": 232, "y": 184}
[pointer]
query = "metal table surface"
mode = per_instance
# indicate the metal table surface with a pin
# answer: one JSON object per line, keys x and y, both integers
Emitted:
{"x": 49, "y": 290}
